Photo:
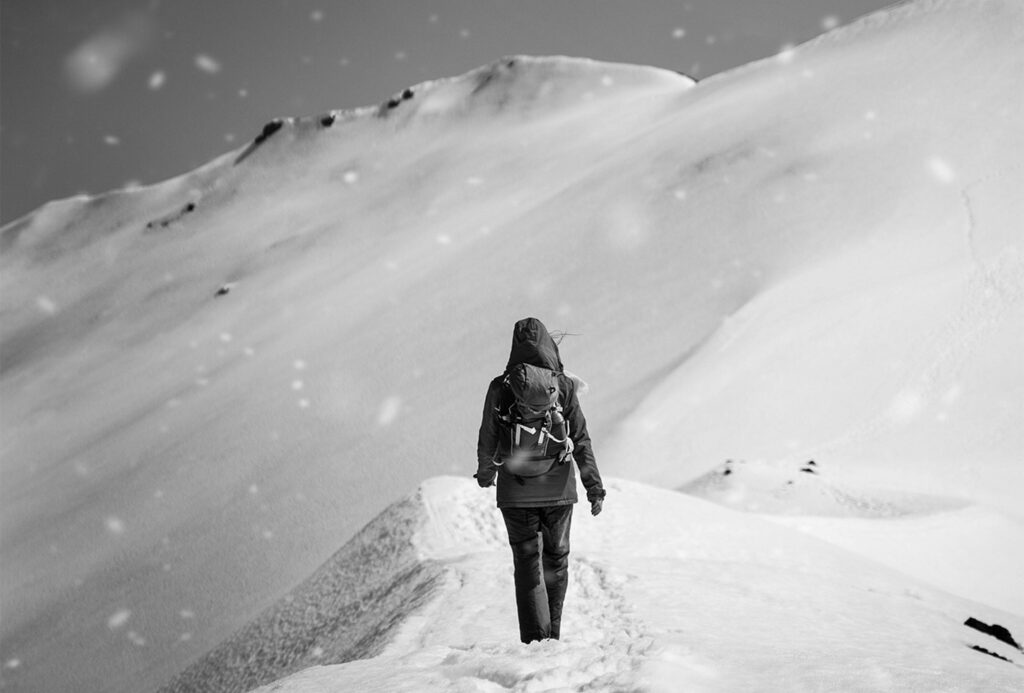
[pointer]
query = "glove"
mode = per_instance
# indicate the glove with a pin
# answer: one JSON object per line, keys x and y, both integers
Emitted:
{"x": 596, "y": 498}
{"x": 482, "y": 482}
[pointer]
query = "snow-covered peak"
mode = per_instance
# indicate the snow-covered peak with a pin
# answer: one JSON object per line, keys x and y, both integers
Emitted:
{"x": 522, "y": 85}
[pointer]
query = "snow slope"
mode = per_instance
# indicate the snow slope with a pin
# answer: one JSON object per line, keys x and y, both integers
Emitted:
{"x": 211, "y": 384}
{"x": 667, "y": 593}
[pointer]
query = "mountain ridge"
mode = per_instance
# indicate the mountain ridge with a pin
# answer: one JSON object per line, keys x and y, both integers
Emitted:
{"x": 612, "y": 638}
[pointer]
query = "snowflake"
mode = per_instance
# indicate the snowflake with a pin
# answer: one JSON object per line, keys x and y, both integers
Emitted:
{"x": 389, "y": 410}
{"x": 941, "y": 169}
{"x": 46, "y": 305}
{"x": 118, "y": 619}
{"x": 207, "y": 64}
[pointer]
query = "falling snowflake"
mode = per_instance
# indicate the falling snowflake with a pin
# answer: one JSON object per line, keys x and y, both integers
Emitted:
{"x": 114, "y": 525}
{"x": 98, "y": 61}
{"x": 157, "y": 80}
{"x": 786, "y": 53}
{"x": 905, "y": 406}
{"x": 119, "y": 619}
{"x": 678, "y": 33}
{"x": 830, "y": 22}
{"x": 316, "y": 16}
{"x": 112, "y": 140}
{"x": 351, "y": 177}
{"x": 389, "y": 410}
{"x": 941, "y": 169}
{"x": 207, "y": 64}
{"x": 299, "y": 365}
{"x": 46, "y": 305}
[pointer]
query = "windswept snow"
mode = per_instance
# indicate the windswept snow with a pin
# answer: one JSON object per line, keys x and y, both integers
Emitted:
{"x": 816, "y": 257}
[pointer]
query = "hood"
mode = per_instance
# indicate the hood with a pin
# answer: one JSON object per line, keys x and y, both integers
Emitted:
{"x": 532, "y": 344}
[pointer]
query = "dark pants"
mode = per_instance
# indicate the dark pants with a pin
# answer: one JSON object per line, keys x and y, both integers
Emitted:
{"x": 540, "y": 552}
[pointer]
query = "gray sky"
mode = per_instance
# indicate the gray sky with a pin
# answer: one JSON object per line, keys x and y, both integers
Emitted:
{"x": 100, "y": 94}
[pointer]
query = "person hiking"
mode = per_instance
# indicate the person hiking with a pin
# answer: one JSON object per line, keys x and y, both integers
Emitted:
{"x": 532, "y": 431}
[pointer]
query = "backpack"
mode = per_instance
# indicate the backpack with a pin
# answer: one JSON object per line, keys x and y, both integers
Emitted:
{"x": 529, "y": 411}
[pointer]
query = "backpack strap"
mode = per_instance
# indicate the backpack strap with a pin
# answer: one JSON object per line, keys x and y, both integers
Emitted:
{"x": 553, "y": 428}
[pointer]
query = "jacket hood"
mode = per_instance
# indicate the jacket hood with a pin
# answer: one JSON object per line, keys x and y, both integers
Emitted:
{"x": 532, "y": 344}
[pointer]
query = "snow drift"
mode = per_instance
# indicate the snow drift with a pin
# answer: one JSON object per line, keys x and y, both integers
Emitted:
{"x": 211, "y": 384}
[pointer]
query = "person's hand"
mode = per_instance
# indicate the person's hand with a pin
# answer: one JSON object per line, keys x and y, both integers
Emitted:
{"x": 596, "y": 505}
{"x": 484, "y": 482}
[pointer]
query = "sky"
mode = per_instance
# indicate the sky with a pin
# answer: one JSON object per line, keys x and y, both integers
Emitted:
{"x": 117, "y": 93}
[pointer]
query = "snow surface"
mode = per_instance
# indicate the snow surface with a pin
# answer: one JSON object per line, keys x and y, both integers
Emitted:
{"x": 211, "y": 384}
{"x": 670, "y": 593}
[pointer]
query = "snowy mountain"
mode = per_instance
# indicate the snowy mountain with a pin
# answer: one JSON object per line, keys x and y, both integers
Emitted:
{"x": 211, "y": 384}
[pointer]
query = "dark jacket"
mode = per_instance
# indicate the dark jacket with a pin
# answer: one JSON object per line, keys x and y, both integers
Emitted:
{"x": 532, "y": 344}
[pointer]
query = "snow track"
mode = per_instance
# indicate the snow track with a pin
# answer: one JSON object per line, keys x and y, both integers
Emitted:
{"x": 603, "y": 646}
{"x": 667, "y": 593}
